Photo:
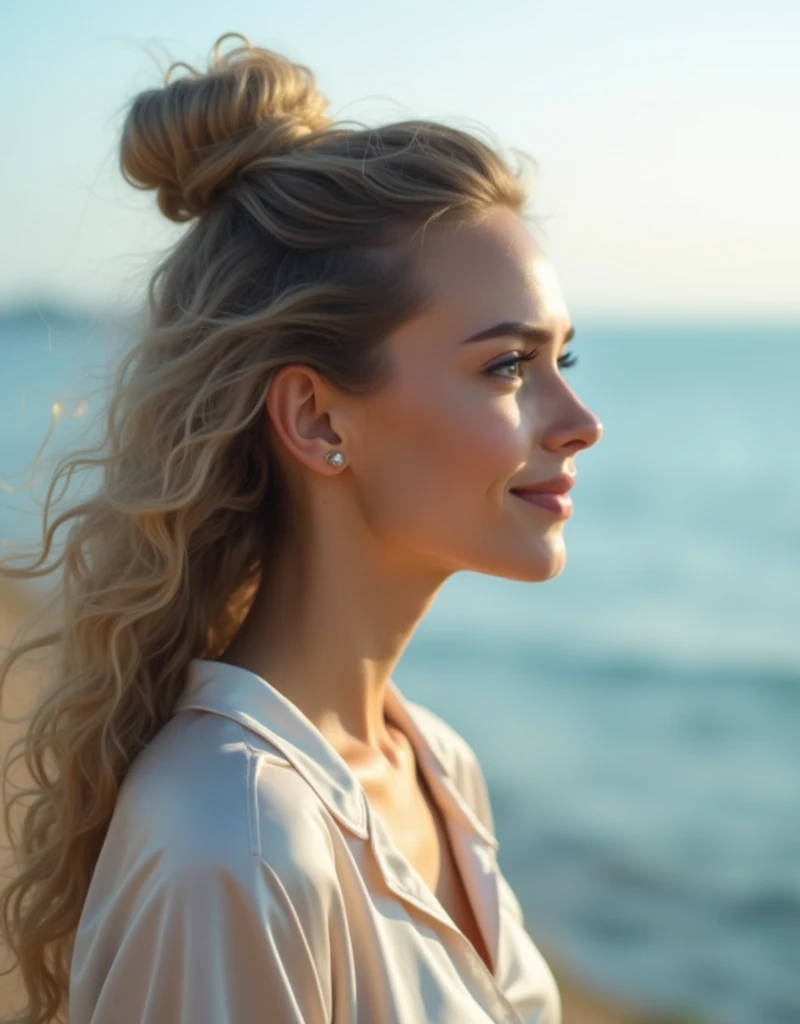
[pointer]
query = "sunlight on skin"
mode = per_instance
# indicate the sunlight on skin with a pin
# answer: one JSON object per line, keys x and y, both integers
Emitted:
{"x": 425, "y": 491}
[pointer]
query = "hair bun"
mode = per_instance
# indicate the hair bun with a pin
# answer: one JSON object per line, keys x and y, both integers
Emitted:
{"x": 196, "y": 136}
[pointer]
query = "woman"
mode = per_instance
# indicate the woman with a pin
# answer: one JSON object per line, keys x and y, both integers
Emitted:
{"x": 350, "y": 388}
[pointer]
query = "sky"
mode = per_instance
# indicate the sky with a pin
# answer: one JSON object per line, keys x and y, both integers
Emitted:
{"x": 666, "y": 136}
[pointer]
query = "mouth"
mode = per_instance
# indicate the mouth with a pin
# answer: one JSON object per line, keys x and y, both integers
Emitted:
{"x": 557, "y": 504}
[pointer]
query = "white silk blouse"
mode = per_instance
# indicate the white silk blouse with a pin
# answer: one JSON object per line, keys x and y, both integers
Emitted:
{"x": 245, "y": 879}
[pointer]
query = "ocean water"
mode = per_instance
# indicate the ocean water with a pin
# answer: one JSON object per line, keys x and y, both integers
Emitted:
{"x": 637, "y": 717}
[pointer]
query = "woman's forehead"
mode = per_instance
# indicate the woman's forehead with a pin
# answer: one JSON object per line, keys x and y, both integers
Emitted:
{"x": 494, "y": 268}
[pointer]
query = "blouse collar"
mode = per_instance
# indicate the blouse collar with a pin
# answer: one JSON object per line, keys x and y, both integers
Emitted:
{"x": 242, "y": 695}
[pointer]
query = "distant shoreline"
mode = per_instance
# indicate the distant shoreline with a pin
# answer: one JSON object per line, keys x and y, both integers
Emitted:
{"x": 61, "y": 312}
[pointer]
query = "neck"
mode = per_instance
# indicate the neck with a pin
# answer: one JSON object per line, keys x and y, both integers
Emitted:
{"x": 332, "y": 616}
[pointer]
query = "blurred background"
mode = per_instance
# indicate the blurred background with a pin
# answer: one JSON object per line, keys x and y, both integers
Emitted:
{"x": 637, "y": 717}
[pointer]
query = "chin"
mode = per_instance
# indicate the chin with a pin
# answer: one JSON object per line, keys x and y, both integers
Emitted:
{"x": 538, "y": 567}
{"x": 535, "y": 574}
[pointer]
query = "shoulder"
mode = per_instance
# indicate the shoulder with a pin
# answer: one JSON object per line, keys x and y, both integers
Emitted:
{"x": 200, "y": 806}
{"x": 199, "y": 908}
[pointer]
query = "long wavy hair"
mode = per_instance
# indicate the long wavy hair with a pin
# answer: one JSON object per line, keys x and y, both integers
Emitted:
{"x": 295, "y": 254}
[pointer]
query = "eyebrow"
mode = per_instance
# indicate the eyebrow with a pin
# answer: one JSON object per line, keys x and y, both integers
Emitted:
{"x": 518, "y": 329}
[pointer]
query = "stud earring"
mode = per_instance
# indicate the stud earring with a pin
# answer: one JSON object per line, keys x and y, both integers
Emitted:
{"x": 334, "y": 458}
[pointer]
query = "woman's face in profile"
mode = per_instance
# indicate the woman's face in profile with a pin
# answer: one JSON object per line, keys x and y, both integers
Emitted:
{"x": 440, "y": 448}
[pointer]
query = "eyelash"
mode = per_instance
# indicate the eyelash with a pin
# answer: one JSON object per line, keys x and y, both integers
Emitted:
{"x": 564, "y": 362}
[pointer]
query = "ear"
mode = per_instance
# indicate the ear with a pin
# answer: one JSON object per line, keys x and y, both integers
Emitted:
{"x": 304, "y": 411}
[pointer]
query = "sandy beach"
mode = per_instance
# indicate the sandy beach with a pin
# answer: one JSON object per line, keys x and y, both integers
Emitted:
{"x": 580, "y": 1005}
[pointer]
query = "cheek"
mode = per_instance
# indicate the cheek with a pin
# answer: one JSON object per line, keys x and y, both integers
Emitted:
{"x": 440, "y": 459}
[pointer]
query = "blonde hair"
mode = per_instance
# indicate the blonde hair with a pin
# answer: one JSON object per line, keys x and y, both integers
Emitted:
{"x": 294, "y": 255}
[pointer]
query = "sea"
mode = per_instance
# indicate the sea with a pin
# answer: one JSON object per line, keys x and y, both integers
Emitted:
{"x": 638, "y": 716}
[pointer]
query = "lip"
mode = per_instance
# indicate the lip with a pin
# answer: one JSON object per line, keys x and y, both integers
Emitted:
{"x": 555, "y": 502}
{"x": 557, "y": 485}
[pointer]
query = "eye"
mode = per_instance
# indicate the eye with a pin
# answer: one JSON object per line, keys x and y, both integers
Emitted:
{"x": 565, "y": 362}
{"x": 568, "y": 360}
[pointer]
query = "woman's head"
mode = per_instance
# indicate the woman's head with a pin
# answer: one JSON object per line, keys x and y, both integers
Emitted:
{"x": 432, "y": 457}
{"x": 344, "y": 265}
{"x": 317, "y": 301}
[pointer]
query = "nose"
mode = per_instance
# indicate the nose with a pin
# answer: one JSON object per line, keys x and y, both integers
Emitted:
{"x": 575, "y": 427}
{"x": 592, "y": 431}
{"x": 586, "y": 435}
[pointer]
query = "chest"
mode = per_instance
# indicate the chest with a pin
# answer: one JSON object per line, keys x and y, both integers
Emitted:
{"x": 417, "y": 828}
